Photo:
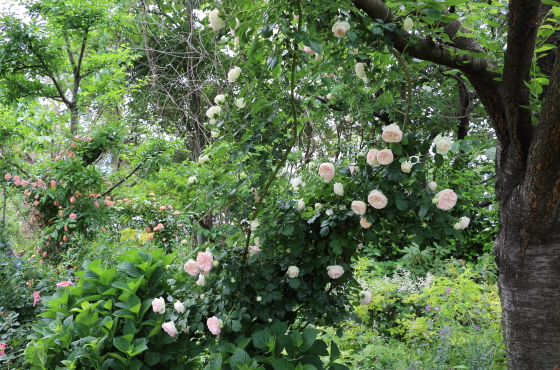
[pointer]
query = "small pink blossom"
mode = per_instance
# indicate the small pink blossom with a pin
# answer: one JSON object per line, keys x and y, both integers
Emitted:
{"x": 170, "y": 328}
{"x": 213, "y": 324}
{"x": 72, "y": 199}
{"x": 65, "y": 283}
{"x": 204, "y": 260}
{"x": 7, "y": 176}
{"x": 446, "y": 199}
{"x": 53, "y": 183}
{"x": 191, "y": 267}
{"x": 3, "y": 346}
{"x": 326, "y": 171}
{"x": 73, "y": 216}
{"x": 36, "y": 296}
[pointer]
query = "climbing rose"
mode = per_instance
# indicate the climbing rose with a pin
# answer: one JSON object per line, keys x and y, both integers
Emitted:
{"x": 360, "y": 70}
{"x": 349, "y": 118}
{"x": 191, "y": 180}
{"x": 377, "y": 199}
{"x": 358, "y": 207}
{"x": 293, "y": 271}
{"x": 446, "y": 199}
{"x": 432, "y": 186}
{"x": 406, "y": 167}
{"x": 216, "y": 22}
{"x": 203, "y": 159}
{"x": 408, "y": 24}
{"x": 308, "y": 50}
{"x": 240, "y": 103}
{"x": 233, "y": 74}
{"x": 371, "y": 157}
{"x": 213, "y": 324}
{"x": 219, "y": 99}
{"x": 443, "y": 144}
{"x": 301, "y": 205}
{"x": 254, "y": 224}
{"x": 296, "y": 182}
{"x": 338, "y": 188}
{"x": 339, "y": 29}
{"x": 392, "y": 133}
{"x": 73, "y": 216}
{"x": 385, "y": 156}
{"x": 353, "y": 168}
{"x": 427, "y": 89}
{"x": 170, "y": 328}
{"x": 330, "y": 96}
{"x": 213, "y": 111}
{"x": 201, "y": 280}
{"x": 326, "y": 171}
{"x": 158, "y": 305}
{"x": 191, "y": 267}
{"x": 179, "y": 307}
{"x": 365, "y": 297}
{"x": 464, "y": 222}
{"x": 204, "y": 261}
{"x": 365, "y": 224}
{"x": 335, "y": 271}
{"x": 7, "y": 176}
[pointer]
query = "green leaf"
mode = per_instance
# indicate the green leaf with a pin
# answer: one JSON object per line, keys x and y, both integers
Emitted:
{"x": 335, "y": 352}
{"x": 122, "y": 344}
{"x": 402, "y": 205}
{"x": 239, "y": 356}
{"x": 433, "y": 13}
{"x": 294, "y": 283}
{"x": 281, "y": 364}
{"x": 236, "y": 326}
{"x": 261, "y": 339}
{"x": 216, "y": 363}
{"x": 309, "y": 337}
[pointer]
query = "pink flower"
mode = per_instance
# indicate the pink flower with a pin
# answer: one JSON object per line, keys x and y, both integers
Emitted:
{"x": 65, "y": 283}
{"x": 335, "y": 271}
{"x": 17, "y": 178}
{"x": 307, "y": 49}
{"x": 365, "y": 224}
{"x": 73, "y": 216}
{"x": 253, "y": 249}
{"x": 293, "y": 271}
{"x": 213, "y": 324}
{"x": 158, "y": 305}
{"x": 162, "y": 208}
{"x": 377, "y": 199}
{"x": 3, "y": 346}
{"x": 353, "y": 169}
{"x": 446, "y": 199}
{"x": 326, "y": 171}
{"x": 158, "y": 227}
{"x": 72, "y": 199}
{"x": 170, "y": 328}
{"x": 358, "y": 207}
{"x": 339, "y": 29}
{"x": 7, "y": 176}
{"x": 191, "y": 267}
{"x": 392, "y": 133}
{"x": 176, "y": 212}
{"x": 372, "y": 157}
{"x": 204, "y": 261}
{"x": 53, "y": 183}
{"x": 36, "y": 296}
{"x": 385, "y": 156}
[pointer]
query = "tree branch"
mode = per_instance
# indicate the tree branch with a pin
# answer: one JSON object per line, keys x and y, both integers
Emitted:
{"x": 126, "y": 178}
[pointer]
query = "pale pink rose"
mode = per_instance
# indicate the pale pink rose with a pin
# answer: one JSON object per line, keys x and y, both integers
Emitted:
{"x": 7, "y": 176}
{"x": 307, "y": 49}
{"x": 72, "y": 199}
{"x": 372, "y": 157}
{"x": 385, "y": 156}
{"x": 353, "y": 169}
{"x": 96, "y": 204}
{"x": 326, "y": 171}
{"x": 159, "y": 226}
{"x": 65, "y": 283}
{"x": 392, "y": 133}
{"x": 204, "y": 261}
{"x": 191, "y": 267}
{"x": 293, "y": 271}
{"x": 365, "y": 224}
{"x": 158, "y": 305}
{"x": 365, "y": 297}
{"x": 17, "y": 178}
{"x": 73, "y": 216}
{"x": 162, "y": 208}
{"x": 179, "y": 307}
{"x": 53, "y": 183}
{"x": 17, "y": 182}
{"x": 213, "y": 324}
{"x": 3, "y": 346}
{"x": 253, "y": 249}
{"x": 358, "y": 207}
{"x": 170, "y": 328}
{"x": 432, "y": 186}
{"x": 176, "y": 212}
{"x": 339, "y": 29}
{"x": 335, "y": 271}
{"x": 446, "y": 199}
{"x": 464, "y": 222}
{"x": 377, "y": 199}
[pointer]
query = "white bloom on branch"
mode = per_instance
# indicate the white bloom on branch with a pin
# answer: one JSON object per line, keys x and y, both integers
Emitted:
{"x": 216, "y": 22}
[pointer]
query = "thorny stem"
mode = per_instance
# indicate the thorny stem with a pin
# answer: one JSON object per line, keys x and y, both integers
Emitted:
{"x": 409, "y": 87}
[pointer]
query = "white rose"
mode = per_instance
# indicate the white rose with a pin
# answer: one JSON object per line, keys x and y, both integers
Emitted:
{"x": 392, "y": 133}
{"x": 191, "y": 180}
{"x": 179, "y": 307}
{"x": 432, "y": 186}
{"x": 240, "y": 103}
{"x": 296, "y": 182}
{"x": 318, "y": 206}
{"x": 408, "y": 24}
{"x": 216, "y": 22}
{"x": 318, "y": 56}
{"x": 327, "y": 171}
{"x": 427, "y": 89}
{"x": 158, "y": 305}
{"x": 233, "y": 74}
{"x": 254, "y": 224}
{"x": 377, "y": 199}
{"x": 443, "y": 144}
{"x": 360, "y": 70}
{"x": 219, "y": 99}
{"x": 358, "y": 207}
{"x": 349, "y": 118}
{"x": 464, "y": 222}
{"x": 293, "y": 271}
{"x": 301, "y": 205}
{"x": 203, "y": 159}
{"x": 457, "y": 226}
{"x": 329, "y": 212}
{"x": 215, "y": 133}
{"x": 212, "y": 121}
{"x": 364, "y": 223}
{"x": 339, "y": 29}
{"x": 365, "y": 298}
{"x": 201, "y": 280}
{"x": 338, "y": 188}
{"x": 406, "y": 167}
{"x": 330, "y": 96}
{"x": 335, "y": 271}
{"x": 213, "y": 111}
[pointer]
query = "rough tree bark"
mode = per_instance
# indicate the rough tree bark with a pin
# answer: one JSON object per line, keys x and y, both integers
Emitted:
{"x": 527, "y": 248}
